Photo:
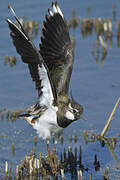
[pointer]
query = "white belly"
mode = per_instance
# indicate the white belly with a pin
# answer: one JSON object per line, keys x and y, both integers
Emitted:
{"x": 47, "y": 124}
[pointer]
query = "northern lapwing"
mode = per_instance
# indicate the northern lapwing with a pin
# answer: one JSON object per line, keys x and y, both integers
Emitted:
{"x": 50, "y": 69}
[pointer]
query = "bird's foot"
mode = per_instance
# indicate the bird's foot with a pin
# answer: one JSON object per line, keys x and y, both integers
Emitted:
{"x": 52, "y": 159}
{"x": 53, "y": 162}
{"x": 48, "y": 149}
{"x": 54, "y": 149}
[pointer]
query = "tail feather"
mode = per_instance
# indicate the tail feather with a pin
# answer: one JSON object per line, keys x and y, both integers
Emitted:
{"x": 29, "y": 118}
{"x": 24, "y": 115}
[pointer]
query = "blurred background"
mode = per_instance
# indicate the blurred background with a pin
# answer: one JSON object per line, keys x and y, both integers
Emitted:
{"x": 95, "y": 83}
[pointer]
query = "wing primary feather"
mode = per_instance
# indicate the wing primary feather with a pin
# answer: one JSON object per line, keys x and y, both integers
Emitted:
{"x": 11, "y": 24}
{"x": 54, "y": 7}
{"x": 56, "y": 49}
{"x": 59, "y": 10}
{"x": 50, "y": 12}
{"x": 32, "y": 57}
{"x": 24, "y": 45}
{"x": 13, "y": 12}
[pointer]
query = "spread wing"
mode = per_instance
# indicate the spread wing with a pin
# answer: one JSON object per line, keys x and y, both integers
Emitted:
{"x": 56, "y": 49}
{"x": 32, "y": 57}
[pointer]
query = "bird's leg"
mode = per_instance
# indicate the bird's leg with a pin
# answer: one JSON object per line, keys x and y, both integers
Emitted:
{"x": 54, "y": 147}
{"x": 54, "y": 159}
{"x": 48, "y": 148}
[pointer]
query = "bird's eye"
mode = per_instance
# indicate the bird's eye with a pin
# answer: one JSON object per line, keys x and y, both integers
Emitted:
{"x": 74, "y": 111}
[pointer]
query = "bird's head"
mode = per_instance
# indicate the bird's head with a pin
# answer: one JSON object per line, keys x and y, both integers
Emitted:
{"x": 74, "y": 111}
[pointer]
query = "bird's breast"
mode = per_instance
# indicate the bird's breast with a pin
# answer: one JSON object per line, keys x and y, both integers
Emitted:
{"x": 47, "y": 124}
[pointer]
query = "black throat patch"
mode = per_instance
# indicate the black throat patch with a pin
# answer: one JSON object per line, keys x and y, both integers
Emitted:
{"x": 63, "y": 122}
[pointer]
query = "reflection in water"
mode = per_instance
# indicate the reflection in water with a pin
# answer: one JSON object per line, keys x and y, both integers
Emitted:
{"x": 70, "y": 161}
{"x": 96, "y": 163}
{"x": 114, "y": 12}
{"x": 99, "y": 50}
{"x": 10, "y": 60}
{"x": 99, "y": 26}
{"x": 118, "y": 34}
{"x": 86, "y": 27}
{"x": 5, "y": 114}
{"x": 109, "y": 142}
{"x": 13, "y": 148}
{"x": 92, "y": 138}
{"x": 106, "y": 176}
{"x": 88, "y": 9}
{"x": 50, "y": 167}
{"x": 108, "y": 32}
{"x": 74, "y": 21}
{"x": 104, "y": 49}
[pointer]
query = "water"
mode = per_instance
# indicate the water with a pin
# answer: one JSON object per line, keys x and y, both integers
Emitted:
{"x": 95, "y": 86}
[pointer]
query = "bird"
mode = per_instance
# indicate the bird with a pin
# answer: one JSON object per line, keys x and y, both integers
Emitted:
{"x": 50, "y": 69}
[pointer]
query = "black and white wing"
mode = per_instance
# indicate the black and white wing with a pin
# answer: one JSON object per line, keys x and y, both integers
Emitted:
{"x": 56, "y": 49}
{"x": 33, "y": 58}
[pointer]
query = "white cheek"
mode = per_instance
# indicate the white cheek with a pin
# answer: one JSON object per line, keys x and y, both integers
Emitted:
{"x": 69, "y": 115}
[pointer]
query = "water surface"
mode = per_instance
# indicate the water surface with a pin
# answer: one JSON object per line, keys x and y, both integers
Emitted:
{"x": 95, "y": 86}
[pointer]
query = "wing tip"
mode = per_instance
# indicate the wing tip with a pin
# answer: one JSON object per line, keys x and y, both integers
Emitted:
{"x": 12, "y": 11}
{"x": 8, "y": 6}
{"x": 9, "y": 22}
{"x": 55, "y": 9}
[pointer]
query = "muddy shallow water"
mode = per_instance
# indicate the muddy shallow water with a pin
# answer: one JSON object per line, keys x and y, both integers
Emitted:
{"x": 95, "y": 84}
